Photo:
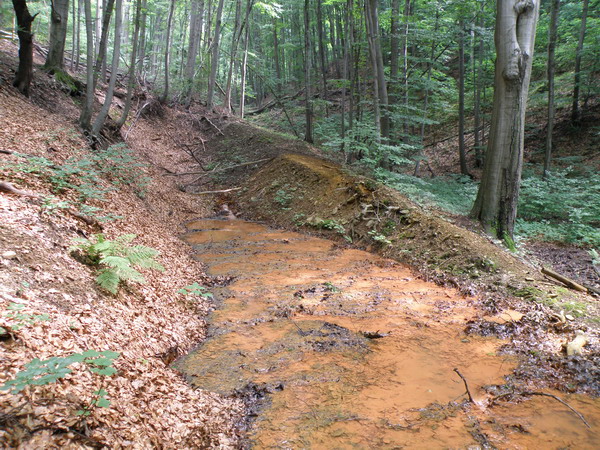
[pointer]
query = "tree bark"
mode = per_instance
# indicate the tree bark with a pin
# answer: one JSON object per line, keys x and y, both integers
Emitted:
{"x": 24, "y": 73}
{"x": 576, "y": 112}
{"x": 496, "y": 203}
{"x": 100, "y": 119}
{"x": 552, "y": 32}
{"x": 214, "y": 63}
{"x": 58, "y": 34}
{"x": 322, "y": 55}
{"x": 196, "y": 17}
{"x": 478, "y": 135}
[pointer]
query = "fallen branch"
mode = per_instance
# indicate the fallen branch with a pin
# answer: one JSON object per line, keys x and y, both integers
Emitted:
{"x": 216, "y": 127}
{"x": 8, "y": 187}
{"x": 220, "y": 170}
{"x": 566, "y": 281}
{"x": 222, "y": 191}
{"x": 466, "y": 385}
{"x": 135, "y": 119}
{"x": 6, "y": 152}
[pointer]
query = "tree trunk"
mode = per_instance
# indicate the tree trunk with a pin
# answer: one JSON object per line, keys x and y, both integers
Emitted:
{"x": 165, "y": 94}
{"x": 276, "y": 56}
{"x": 142, "y": 44}
{"x": 58, "y": 33}
{"x": 244, "y": 72}
{"x": 478, "y": 81}
{"x": 308, "y": 135}
{"x": 214, "y": 63}
{"x": 86, "y": 111}
{"x": 131, "y": 75}
{"x": 24, "y": 73}
{"x": 322, "y": 55}
{"x": 195, "y": 30}
{"x": 237, "y": 31}
{"x": 101, "y": 118}
{"x": 552, "y": 32}
{"x": 496, "y": 203}
{"x": 101, "y": 58}
{"x": 462, "y": 153}
{"x": 576, "y": 112}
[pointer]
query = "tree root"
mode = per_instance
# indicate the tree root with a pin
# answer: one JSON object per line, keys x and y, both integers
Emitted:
{"x": 8, "y": 187}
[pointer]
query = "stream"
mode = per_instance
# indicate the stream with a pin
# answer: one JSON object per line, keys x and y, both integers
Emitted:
{"x": 351, "y": 350}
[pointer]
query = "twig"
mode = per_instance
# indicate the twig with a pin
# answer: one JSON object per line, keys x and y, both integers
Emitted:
{"x": 6, "y": 152}
{"x": 220, "y": 170}
{"x": 216, "y": 127}
{"x": 137, "y": 116}
{"x": 544, "y": 394}
{"x": 223, "y": 191}
{"x": 466, "y": 385}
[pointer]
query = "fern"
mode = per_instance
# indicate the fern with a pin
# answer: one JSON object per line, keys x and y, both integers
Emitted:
{"x": 117, "y": 260}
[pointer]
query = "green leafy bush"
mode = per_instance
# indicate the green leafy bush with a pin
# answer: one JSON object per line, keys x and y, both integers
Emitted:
{"x": 22, "y": 319}
{"x": 117, "y": 259}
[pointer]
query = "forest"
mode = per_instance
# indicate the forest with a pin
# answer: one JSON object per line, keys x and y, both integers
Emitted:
{"x": 417, "y": 183}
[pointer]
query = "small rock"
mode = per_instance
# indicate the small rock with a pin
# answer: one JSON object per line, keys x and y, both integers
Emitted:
{"x": 576, "y": 345}
{"x": 9, "y": 255}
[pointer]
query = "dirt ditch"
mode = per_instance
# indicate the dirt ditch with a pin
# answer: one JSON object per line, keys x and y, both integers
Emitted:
{"x": 354, "y": 350}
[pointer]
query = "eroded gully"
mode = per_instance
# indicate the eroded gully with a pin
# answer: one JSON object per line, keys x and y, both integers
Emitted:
{"x": 357, "y": 352}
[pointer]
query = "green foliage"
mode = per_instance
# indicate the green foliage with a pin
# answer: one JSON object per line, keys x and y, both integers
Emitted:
{"x": 564, "y": 207}
{"x": 41, "y": 372}
{"x": 283, "y": 198}
{"x": 329, "y": 286}
{"x": 22, "y": 319}
{"x": 595, "y": 257}
{"x": 195, "y": 289}
{"x": 116, "y": 259}
{"x": 379, "y": 238}
{"x": 334, "y": 225}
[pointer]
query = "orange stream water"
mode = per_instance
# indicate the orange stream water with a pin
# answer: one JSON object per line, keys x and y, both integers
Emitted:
{"x": 295, "y": 317}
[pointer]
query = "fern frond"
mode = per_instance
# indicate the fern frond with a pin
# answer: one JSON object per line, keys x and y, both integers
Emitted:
{"x": 122, "y": 268}
{"x": 109, "y": 280}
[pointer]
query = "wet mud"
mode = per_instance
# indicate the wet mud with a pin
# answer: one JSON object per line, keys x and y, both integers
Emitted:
{"x": 345, "y": 349}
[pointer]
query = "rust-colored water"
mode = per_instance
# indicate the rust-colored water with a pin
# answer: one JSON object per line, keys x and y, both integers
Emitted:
{"x": 295, "y": 319}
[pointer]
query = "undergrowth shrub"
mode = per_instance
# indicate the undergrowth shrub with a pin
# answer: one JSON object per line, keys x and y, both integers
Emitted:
{"x": 117, "y": 260}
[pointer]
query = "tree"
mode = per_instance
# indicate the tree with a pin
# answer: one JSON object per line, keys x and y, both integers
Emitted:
{"x": 132, "y": 65}
{"x": 552, "y": 31}
{"x": 24, "y": 73}
{"x": 214, "y": 62}
{"x": 165, "y": 94}
{"x": 308, "y": 134}
{"x": 86, "y": 110}
{"x": 496, "y": 203}
{"x": 58, "y": 34}
{"x": 99, "y": 122}
{"x": 101, "y": 57}
{"x": 575, "y": 111}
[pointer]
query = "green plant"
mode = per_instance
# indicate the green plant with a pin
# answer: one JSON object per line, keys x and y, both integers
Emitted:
{"x": 595, "y": 256}
{"x": 117, "y": 259}
{"x": 41, "y": 372}
{"x": 283, "y": 198}
{"x": 334, "y": 225}
{"x": 195, "y": 289}
{"x": 378, "y": 237}
{"x": 22, "y": 319}
{"x": 331, "y": 287}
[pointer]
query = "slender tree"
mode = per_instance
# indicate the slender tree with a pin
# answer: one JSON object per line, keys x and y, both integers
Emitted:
{"x": 575, "y": 111}
{"x": 308, "y": 134}
{"x": 131, "y": 80}
{"x": 101, "y": 118}
{"x": 214, "y": 62}
{"x": 167, "y": 61}
{"x": 552, "y": 32}
{"x": 496, "y": 203}
{"x": 101, "y": 57}
{"x": 86, "y": 111}
{"x": 462, "y": 152}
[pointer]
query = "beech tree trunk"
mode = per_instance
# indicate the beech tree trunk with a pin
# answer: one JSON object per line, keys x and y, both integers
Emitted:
{"x": 101, "y": 58}
{"x": 462, "y": 152}
{"x": 58, "y": 34}
{"x": 496, "y": 203}
{"x": 131, "y": 81}
{"x": 552, "y": 32}
{"x": 194, "y": 42}
{"x": 24, "y": 73}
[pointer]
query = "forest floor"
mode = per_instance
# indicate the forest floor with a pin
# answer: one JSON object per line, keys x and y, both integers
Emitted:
{"x": 151, "y": 324}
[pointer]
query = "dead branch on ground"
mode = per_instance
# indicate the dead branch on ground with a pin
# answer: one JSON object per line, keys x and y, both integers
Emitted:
{"x": 566, "y": 281}
{"x": 211, "y": 123}
{"x": 6, "y": 152}
{"x": 466, "y": 385}
{"x": 220, "y": 170}
{"x": 222, "y": 191}
{"x": 8, "y": 187}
